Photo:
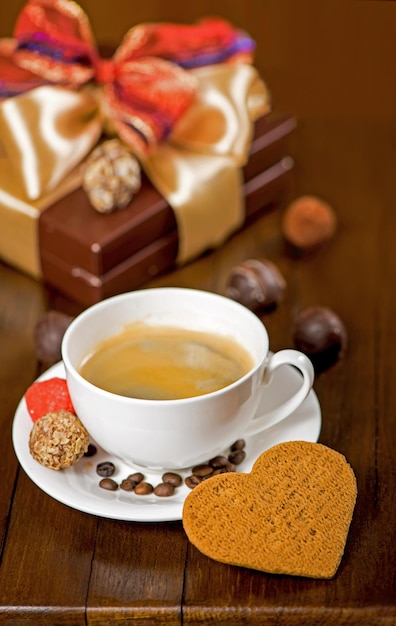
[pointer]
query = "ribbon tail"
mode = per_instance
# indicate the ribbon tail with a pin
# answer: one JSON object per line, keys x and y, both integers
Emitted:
{"x": 205, "y": 194}
{"x": 46, "y": 133}
{"x": 230, "y": 99}
{"x": 199, "y": 170}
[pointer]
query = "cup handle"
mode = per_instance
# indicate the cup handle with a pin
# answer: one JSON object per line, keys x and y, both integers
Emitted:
{"x": 304, "y": 365}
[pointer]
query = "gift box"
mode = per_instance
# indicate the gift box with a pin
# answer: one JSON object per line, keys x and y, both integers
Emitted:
{"x": 183, "y": 100}
{"x": 90, "y": 256}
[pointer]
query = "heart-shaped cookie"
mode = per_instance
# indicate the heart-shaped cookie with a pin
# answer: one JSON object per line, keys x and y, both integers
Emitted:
{"x": 290, "y": 515}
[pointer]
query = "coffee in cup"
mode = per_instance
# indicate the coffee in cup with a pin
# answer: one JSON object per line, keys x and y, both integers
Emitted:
{"x": 165, "y": 362}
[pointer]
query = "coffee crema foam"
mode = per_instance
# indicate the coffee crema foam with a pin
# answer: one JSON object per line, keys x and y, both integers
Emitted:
{"x": 165, "y": 362}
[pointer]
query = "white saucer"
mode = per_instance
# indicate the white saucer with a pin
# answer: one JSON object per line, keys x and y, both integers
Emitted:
{"x": 78, "y": 486}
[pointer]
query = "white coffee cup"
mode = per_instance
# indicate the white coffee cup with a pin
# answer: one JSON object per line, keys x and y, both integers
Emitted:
{"x": 175, "y": 434}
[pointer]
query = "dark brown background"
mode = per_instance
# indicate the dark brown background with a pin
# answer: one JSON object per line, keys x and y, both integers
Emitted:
{"x": 333, "y": 65}
{"x": 332, "y": 56}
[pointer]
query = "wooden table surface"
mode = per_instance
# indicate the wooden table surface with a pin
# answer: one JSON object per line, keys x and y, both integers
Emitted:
{"x": 62, "y": 566}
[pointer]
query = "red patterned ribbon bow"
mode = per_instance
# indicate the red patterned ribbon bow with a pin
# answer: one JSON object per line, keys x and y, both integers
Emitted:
{"x": 146, "y": 85}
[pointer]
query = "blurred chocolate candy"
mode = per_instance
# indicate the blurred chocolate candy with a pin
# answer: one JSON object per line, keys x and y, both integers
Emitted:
{"x": 321, "y": 335}
{"x": 48, "y": 335}
{"x": 256, "y": 283}
{"x": 308, "y": 222}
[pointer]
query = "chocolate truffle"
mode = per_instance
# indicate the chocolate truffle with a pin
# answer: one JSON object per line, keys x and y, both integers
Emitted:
{"x": 257, "y": 284}
{"x": 48, "y": 335}
{"x": 321, "y": 335}
{"x": 308, "y": 222}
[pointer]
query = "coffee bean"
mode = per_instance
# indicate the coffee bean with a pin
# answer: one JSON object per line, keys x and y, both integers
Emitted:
{"x": 239, "y": 444}
{"x": 91, "y": 451}
{"x": 106, "y": 469}
{"x": 164, "y": 490}
{"x": 172, "y": 478}
{"x": 237, "y": 457}
{"x": 137, "y": 477}
{"x": 192, "y": 481}
{"x": 196, "y": 479}
{"x": 128, "y": 485}
{"x": 109, "y": 484}
{"x": 143, "y": 488}
{"x": 219, "y": 470}
{"x": 218, "y": 461}
{"x": 202, "y": 470}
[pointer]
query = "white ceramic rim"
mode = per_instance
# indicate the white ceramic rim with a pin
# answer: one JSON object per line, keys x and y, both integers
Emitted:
{"x": 110, "y": 302}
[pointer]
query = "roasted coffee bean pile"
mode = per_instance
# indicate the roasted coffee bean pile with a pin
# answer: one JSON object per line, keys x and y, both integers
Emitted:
{"x": 136, "y": 482}
{"x": 218, "y": 465}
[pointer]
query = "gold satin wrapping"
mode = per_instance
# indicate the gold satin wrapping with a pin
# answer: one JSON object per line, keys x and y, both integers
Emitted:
{"x": 46, "y": 133}
{"x": 199, "y": 170}
{"x": 19, "y": 218}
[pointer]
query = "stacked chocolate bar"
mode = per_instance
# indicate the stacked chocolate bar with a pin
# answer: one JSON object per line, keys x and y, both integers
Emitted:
{"x": 90, "y": 256}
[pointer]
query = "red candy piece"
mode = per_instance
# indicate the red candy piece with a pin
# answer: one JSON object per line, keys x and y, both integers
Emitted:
{"x": 47, "y": 396}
